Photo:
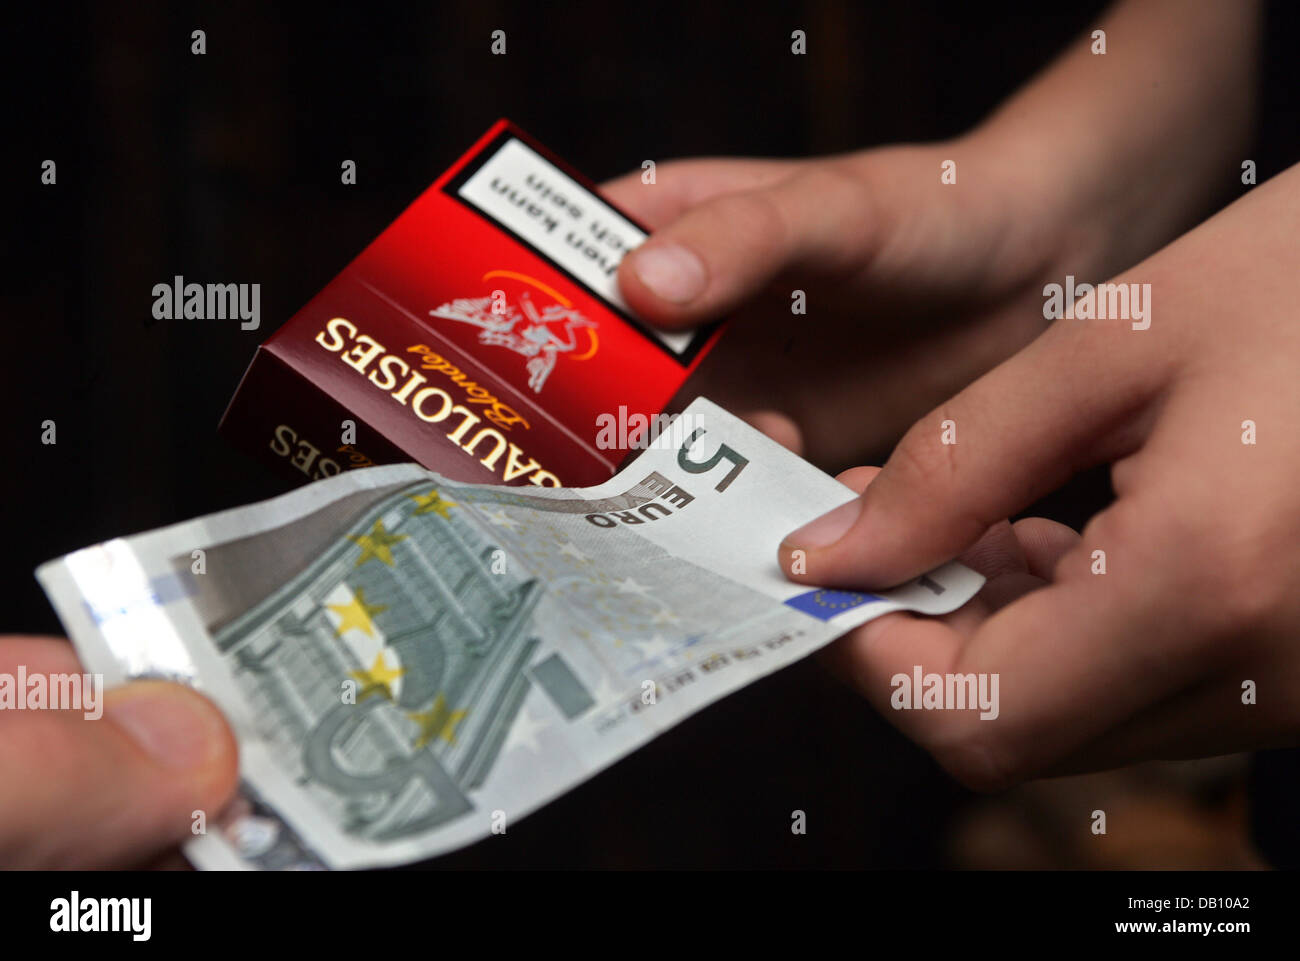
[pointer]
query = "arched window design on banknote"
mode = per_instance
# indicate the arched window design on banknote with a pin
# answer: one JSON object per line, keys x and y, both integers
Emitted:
{"x": 386, "y": 674}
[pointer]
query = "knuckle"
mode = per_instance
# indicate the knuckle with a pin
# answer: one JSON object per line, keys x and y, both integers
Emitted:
{"x": 1242, "y": 578}
{"x": 1125, "y": 533}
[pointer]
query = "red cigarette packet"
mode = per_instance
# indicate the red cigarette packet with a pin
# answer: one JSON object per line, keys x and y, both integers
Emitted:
{"x": 481, "y": 334}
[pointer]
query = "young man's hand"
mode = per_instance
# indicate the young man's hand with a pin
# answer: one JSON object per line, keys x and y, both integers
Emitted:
{"x": 1171, "y": 628}
{"x": 911, "y": 288}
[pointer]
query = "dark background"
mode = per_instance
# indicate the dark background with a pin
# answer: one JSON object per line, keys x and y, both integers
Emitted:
{"x": 225, "y": 167}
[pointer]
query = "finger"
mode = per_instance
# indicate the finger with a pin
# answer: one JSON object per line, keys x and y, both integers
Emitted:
{"x": 1219, "y": 715}
{"x": 721, "y": 252}
{"x": 873, "y": 654}
{"x": 996, "y": 553}
{"x": 997, "y": 556}
{"x": 1070, "y": 661}
{"x": 681, "y": 184}
{"x": 1043, "y": 542}
{"x": 779, "y": 427}
{"x": 1014, "y": 435}
{"x": 38, "y": 655}
{"x": 1073, "y": 660}
{"x": 116, "y": 790}
{"x": 857, "y": 479}
{"x": 847, "y": 657}
{"x": 1015, "y": 559}
{"x": 855, "y": 656}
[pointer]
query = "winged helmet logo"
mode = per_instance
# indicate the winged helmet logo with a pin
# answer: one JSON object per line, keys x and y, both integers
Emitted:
{"x": 539, "y": 334}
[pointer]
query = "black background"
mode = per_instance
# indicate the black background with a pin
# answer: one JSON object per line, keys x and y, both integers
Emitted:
{"x": 225, "y": 168}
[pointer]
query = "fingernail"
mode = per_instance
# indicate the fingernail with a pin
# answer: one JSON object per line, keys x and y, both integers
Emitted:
{"x": 828, "y": 528}
{"x": 174, "y": 726}
{"x": 670, "y": 271}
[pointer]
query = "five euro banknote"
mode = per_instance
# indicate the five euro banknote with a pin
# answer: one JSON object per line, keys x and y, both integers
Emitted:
{"x": 410, "y": 664}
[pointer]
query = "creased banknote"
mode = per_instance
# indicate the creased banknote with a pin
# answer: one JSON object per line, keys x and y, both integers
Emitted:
{"x": 411, "y": 664}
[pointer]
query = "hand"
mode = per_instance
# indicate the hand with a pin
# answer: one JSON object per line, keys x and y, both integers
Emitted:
{"x": 112, "y": 792}
{"x": 1201, "y": 590}
{"x": 913, "y": 287}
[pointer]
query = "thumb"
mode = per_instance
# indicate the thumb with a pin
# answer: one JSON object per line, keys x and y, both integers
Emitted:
{"x": 724, "y": 250}
{"x": 1065, "y": 402}
{"x": 112, "y": 791}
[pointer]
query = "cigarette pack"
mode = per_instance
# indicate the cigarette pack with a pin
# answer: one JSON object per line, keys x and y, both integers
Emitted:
{"x": 482, "y": 334}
